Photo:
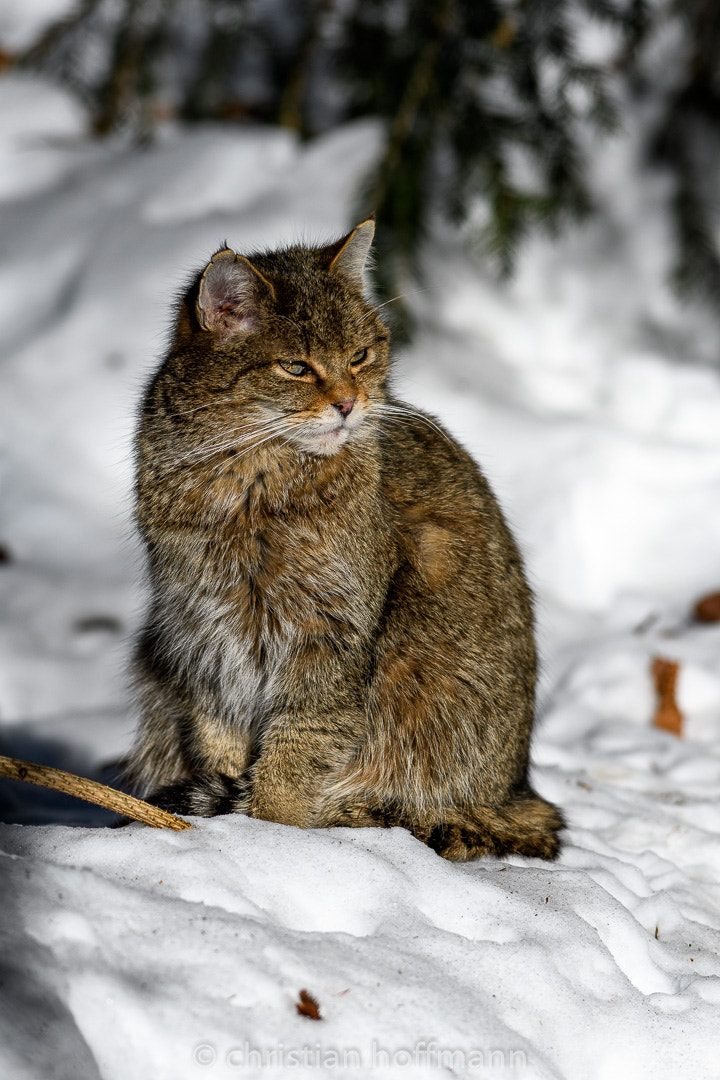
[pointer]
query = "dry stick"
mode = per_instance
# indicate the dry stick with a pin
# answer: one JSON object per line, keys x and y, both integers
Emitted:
{"x": 91, "y": 791}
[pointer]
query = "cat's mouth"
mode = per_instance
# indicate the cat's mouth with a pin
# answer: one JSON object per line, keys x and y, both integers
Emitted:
{"x": 324, "y": 440}
{"x": 329, "y": 440}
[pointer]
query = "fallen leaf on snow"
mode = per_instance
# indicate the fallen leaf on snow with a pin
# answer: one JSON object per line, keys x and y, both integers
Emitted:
{"x": 707, "y": 608}
{"x": 308, "y": 1006}
{"x": 667, "y": 714}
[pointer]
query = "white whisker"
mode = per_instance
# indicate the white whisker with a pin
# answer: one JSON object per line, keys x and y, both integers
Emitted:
{"x": 255, "y": 446}
{"x": 232, "y": 438}
{"x": 395, "y": 412}
{"x": 378, "y": 307}
{"x": 207, "y": 405}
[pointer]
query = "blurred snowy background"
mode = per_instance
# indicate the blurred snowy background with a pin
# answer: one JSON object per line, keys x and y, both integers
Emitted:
{"x": 586, "y": 383}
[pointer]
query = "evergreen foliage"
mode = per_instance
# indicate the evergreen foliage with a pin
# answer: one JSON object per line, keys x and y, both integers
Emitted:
{"x": 493, "y": 99}
{"x": 686, "y": 140}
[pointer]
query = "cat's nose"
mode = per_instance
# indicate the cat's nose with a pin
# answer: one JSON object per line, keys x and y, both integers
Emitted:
{"x": 344, "y": 407}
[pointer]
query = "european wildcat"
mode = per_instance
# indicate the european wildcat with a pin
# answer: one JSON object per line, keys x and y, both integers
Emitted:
{"x": 340, "y": 630}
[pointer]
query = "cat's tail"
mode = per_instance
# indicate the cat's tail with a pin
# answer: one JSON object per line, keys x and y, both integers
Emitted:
{"x": 524, "y": 825}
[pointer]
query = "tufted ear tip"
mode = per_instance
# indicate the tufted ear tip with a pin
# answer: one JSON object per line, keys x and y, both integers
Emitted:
{"x": 223, "y": 254}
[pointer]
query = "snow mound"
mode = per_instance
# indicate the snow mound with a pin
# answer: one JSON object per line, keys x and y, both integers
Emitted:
{"x": 197, "y": 946}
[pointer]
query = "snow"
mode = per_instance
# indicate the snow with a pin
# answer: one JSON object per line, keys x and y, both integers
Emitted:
{"x": 21, "y": 24}
{"x": 586, "y": 391}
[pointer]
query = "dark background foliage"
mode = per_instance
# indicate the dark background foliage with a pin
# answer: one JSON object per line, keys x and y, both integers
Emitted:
{"x": 491, "y": 102}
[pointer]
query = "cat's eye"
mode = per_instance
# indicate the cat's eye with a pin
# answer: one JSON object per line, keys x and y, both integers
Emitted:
{"x": 359, "y": 357}
{"x": 294, "y": 367}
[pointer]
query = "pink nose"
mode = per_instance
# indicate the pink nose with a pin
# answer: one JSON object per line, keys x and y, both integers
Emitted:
{"x": 345, "y": 407}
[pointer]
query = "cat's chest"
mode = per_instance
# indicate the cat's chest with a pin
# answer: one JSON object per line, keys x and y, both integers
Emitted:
{"x": 299, "y": 565}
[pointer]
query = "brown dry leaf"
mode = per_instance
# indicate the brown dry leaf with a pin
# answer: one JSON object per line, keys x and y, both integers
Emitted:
{"x": 707, "y": 608}
{"x": 308, "y": 1006}
{"x": 667, "y": 714}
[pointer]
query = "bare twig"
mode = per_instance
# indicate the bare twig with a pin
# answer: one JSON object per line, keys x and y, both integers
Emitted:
{"x": 91, "y": 791}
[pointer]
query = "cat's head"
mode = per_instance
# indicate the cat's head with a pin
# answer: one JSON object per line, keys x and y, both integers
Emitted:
{"x": 289, "y": 340}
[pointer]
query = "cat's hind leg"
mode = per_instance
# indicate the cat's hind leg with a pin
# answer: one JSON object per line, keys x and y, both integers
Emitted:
{"x": 450, "y": 710}
{"x": 525, "y": 825}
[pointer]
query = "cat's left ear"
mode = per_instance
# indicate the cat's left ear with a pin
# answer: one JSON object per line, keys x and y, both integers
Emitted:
{"x": 350, "y": 254}
{"x": 231, "y": 295}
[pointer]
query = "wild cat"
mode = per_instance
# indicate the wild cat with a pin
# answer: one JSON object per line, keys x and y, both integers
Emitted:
{"x": 340, "y": 631}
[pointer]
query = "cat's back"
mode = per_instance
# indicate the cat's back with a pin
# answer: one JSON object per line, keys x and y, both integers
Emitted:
{"x": 453, "y": 534}
{"x": 427, "y": 473}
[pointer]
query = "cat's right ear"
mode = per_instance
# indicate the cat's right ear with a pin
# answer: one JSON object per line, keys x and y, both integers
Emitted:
{"x": 231, "y": 295}
{"x": 350, "y": 254}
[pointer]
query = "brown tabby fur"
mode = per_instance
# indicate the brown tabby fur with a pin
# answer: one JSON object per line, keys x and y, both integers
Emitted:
{"x": 340, "y": 630}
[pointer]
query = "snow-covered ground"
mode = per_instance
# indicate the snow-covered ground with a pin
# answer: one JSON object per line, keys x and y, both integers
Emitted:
{"x": 588, "y": 394}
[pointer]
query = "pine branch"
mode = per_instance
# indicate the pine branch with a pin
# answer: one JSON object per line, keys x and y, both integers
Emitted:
{"x": 58, "y": 32}
{"x": 209, "y": 92}
{"x": 119, "y": 90}
{"x": 416, "y": 92}
{"x": 91, "y": 791}
{"x": 290, "y": 112}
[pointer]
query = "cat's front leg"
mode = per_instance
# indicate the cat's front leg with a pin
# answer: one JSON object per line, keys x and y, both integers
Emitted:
{"x": 216, "y": 753}
{"x": 301, "y": 751}
{"x": 318, "y": 721}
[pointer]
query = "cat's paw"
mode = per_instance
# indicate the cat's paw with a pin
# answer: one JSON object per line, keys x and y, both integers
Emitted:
{"x": 207, "y": 795}
{"x": 366, "y": 812}
{"x": 458, "y": 844}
